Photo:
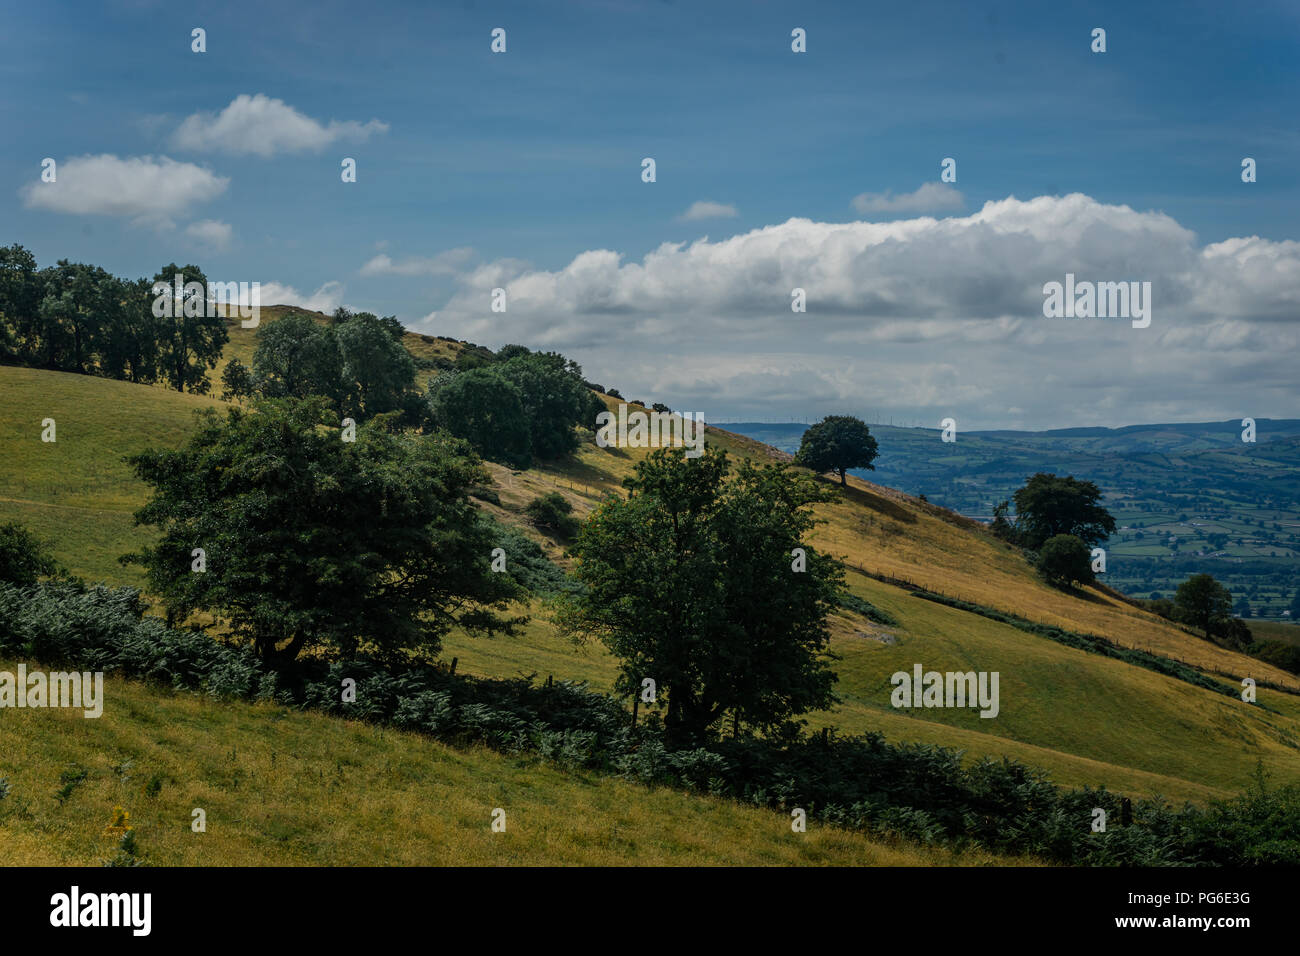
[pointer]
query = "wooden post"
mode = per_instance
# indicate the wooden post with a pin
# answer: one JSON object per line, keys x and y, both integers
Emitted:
{"x": 453, "y": 664}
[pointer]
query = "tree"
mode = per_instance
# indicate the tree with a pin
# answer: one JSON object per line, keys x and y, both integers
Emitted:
{"x": 1000, "y": 525}
{"x": 1049, "y": 505}
{"x": 377, "y": 371}
{"x": 23, "y": 558}
{"x": 838, "y": 443}
{"x": 295, "y": 357}
{"x": 190, "y": 341}
{"x": 309, "y": 541}
{"x": 1065, "y": 559}
{"x": 691, "y": 582}
{"x": 236, "y": 381}
{"x": 554, "y": 399}
{"x": 21, "y": 291}
{"x": 553, "y": 512}
{"x": 487, "y": 411}
{"x": 1203, "y": 602}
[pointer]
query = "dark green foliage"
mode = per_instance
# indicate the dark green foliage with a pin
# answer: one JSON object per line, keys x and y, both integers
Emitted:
{"x": 527, "y": 564}
{"x": 236, "y": 381}
{"x": 23, "y": 558}
{"x": 1203, "y": 602}
{"x": 515, "y": 410}
{"x": 1049, "y": 505}
{"x": 487, "y": 411}
{"x": 1285, "y": 656}
{"x": 188, "y": 345}
{"x": 690, "y": 583}
{"x": 868, "y": 610}
{"x": 838, "y": 443}
{"x": 1064, "y": 560}
{"x": 914, "y": 791}
{"x": 70, "y": 779}
{"x": 552, "y": 512}
{"x": 313, "y": 541}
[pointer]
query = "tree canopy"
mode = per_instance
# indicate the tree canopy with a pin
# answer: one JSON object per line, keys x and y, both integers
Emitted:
{"x": 838, "y": 443}
{"x": 310, "y": 541}
{"x": 691, "y": 582}
{"x": 1049, "y": 505}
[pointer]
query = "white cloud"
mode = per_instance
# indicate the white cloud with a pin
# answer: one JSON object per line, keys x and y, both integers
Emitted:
{"x": 444, "y": 263}
{"x": 941, "y": 316}
{"x": 704, "y": 209}
{"x": 211, "y": 233}
{"x": 325, "y": 299}
{"x": 928, "y": 197}
{"x": 264, "y": 126}
{"x": 138, "y": 187}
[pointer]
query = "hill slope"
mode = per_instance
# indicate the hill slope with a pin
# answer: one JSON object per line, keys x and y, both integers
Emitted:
{"x": 1086, "y": 718}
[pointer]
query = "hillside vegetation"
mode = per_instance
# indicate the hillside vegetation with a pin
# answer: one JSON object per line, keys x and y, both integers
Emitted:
{"x": 1087, "y": 719}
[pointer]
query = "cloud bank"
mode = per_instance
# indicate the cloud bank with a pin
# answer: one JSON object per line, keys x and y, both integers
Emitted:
{"x": 936, "y": 316}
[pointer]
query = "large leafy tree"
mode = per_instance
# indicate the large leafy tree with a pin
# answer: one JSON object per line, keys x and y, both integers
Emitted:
{"x": 1049, "y": 505}
{"x": 21, "y": 291}
{"x": 838, "y": 443}
{"x": 190, "y": 345}
{"x": 295, "y": 357}
{"x": 310, "y": 541}
{"x": 486, "y": 410}
{"x": 377, "y": 371}
{"x": 554, "y": 397}
{"x": 691, "y": 582}
{"x": 1065, "y": 559}
{"x": 81, "y": 307}
{"x": 1205, "y": 603}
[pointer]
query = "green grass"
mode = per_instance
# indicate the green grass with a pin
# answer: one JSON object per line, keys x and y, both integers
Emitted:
{"x": 291, "y": 788}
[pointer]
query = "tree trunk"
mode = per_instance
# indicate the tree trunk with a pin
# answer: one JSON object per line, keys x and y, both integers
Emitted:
{"x": 843, "y": 482}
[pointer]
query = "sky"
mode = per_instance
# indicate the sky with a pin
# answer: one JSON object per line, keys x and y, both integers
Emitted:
{"x": 820, "y": 170}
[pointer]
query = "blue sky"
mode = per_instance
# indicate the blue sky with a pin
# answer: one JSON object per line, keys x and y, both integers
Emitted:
{"x": 527, "y": 160}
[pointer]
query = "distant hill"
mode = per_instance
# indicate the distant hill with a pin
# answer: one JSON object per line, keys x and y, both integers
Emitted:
{"x": 1189, "y": 496}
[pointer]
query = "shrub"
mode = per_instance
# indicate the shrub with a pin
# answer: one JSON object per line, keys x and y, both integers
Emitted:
{"x": 552, "y": 512}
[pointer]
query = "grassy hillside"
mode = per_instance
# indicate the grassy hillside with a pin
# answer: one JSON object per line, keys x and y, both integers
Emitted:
{"x": 1086, "y": 718}
{"x": 283, "y": 787}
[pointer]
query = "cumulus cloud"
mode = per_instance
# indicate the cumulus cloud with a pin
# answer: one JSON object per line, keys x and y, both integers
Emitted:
{"x": 444, "y": 263}
{"x": 325, "y": 299}
{"x": 137, "y": 187}
{"x": 211, "y": 234}
{"x": 704, "y": 209}
{"x": 928, "y": 197}
{"x": 264, "y": 127}
{"x": 941, "y": 316}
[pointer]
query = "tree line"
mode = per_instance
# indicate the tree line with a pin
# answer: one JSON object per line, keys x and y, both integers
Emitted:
{"x": 75, "y": 317}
